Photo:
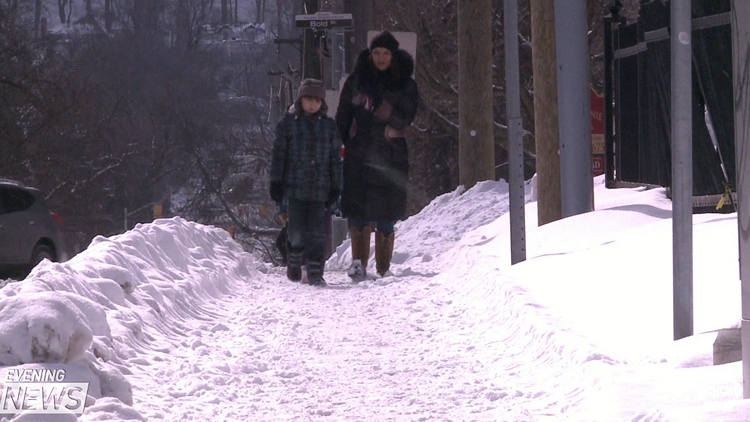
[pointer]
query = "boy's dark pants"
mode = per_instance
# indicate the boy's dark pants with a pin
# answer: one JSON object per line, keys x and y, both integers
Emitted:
{"x": 306, "y": 236}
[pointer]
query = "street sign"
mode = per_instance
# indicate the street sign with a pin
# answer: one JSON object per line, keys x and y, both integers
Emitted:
{"x": 324, "y": 20}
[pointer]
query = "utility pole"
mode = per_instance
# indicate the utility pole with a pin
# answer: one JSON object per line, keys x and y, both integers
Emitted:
{"x": 544, "y": 62}
{"x": 363, "y": 14}
{"x": 311, "y": 63}
{"x": 475, "y": 106}
{"x": 682, "y": 167}
{"x": 574, "y": 110}
{"x": 515, "y": 134}
{"x": 740, "y": 60}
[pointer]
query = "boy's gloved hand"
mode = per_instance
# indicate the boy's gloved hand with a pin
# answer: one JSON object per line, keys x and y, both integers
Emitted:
{"x": 333, "y": 196}
{"x": 277, "y": 191}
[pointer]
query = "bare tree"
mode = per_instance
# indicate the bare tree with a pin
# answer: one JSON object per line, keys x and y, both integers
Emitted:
{"x": 260, "y": 6}
{"x": 191, "y": 16}
{"x": 37, "y": 17}
{"x": 146, "y": 16}
{"x": 108, "y": 15}
{"x": 62, "y": 13}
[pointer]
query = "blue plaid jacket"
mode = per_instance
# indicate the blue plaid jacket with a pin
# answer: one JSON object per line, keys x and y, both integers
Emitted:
{"x": 307, "y": 156}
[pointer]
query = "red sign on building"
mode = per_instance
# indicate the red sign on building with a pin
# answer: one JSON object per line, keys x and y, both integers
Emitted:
{"x": 597, "y": 132}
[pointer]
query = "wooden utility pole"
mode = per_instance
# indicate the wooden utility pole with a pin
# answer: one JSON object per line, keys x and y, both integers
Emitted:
{"x": 547, "y": 133}
{"x": 363, "y": 14}
{"x": 475, "y": 117}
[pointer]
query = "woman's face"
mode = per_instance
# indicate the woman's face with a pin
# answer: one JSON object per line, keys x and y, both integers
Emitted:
{"x": 311, "y": 104}
{"x": 381, "y": 58}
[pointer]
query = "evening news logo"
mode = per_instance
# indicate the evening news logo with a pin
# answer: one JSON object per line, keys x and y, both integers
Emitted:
{"x": 41, "y": 391}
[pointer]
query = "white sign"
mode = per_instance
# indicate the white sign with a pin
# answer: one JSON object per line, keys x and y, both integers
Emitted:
{"x": 324, "y": 20}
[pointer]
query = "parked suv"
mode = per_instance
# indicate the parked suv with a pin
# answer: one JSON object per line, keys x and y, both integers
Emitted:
{"x": 29, "y": 231}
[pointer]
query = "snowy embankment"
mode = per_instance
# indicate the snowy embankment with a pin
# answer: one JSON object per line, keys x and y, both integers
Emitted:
{"x": 97, "y": 314}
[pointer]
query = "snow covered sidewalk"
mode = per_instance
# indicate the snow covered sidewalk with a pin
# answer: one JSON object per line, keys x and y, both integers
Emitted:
{"x": 406, "y": 350}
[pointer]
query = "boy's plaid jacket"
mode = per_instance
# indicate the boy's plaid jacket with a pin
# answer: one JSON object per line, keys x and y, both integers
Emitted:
{"x": 307, "y": 156}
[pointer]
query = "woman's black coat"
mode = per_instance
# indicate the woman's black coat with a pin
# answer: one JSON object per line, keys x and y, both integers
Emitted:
{"x": 376, "y": 168}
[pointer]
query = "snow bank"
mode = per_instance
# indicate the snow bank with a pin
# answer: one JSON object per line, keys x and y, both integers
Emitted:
{"x": 425, "y": 233}
{"x": 97, "y": 313}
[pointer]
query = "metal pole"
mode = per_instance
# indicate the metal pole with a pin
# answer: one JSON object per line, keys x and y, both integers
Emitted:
{"x": 741, "y": 64}
{"x": 682, "y": 168}
{"x": 515, "y": 134}
{"x": 609, "y": 162}
{"x": 574, "y": 106}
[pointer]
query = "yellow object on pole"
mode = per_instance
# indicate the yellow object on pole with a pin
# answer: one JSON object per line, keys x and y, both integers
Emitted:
{"x": 158, "y": 211}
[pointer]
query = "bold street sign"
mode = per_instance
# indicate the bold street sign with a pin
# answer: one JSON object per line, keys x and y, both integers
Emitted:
{"x": 324, "y": 20}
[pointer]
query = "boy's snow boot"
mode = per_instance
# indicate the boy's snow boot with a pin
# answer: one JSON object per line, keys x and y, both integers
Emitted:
{"x": 294, "y": 266}
{"x": 383, "y": 253}
{"x": 360, "y": 237}
{"x": 315, "y": 273}
{"x": 282, "y": 246}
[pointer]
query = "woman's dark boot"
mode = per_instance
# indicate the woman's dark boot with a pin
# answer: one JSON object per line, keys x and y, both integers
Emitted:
{"x": 383, "y": 253}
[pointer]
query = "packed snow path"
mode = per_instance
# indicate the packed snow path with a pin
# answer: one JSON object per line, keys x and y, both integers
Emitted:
{"x": 393, "y": 349}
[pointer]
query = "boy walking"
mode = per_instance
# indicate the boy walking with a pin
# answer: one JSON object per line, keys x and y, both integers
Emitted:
{"x": 306, "y": 170}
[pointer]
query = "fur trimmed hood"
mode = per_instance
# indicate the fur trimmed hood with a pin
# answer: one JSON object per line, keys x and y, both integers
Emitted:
{"x": 402, "y": 68}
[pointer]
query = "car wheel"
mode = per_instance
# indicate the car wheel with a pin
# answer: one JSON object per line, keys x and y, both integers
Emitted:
{"x": 40, "y": 253}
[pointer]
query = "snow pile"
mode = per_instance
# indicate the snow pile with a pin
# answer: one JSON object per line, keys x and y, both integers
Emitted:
{"x": 425, "y": 233}
{"x": 97, "y": 313}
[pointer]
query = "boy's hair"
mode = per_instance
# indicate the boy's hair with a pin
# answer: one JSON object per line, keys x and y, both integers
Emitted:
{"x": 311, "y": 88}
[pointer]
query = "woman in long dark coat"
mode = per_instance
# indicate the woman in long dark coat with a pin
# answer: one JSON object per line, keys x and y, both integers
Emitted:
{"x": 377, "y": 103}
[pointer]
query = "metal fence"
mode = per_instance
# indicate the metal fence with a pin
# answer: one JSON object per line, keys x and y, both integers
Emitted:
{"x": 637, "y": 99}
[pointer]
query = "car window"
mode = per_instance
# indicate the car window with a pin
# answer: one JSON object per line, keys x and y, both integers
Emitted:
{"x": 14, "y": 200}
